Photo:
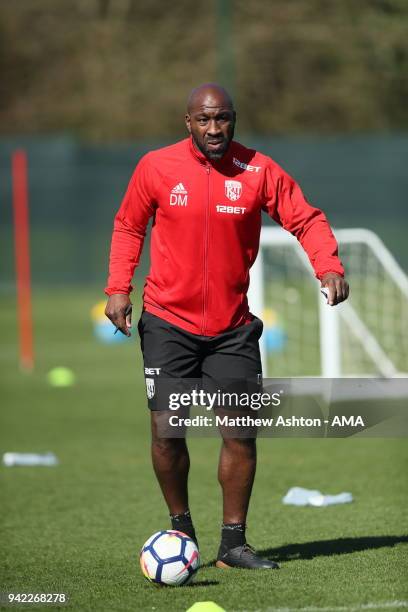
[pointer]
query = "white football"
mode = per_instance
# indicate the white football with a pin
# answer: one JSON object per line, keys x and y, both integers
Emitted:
{"x": 170, "y": 558}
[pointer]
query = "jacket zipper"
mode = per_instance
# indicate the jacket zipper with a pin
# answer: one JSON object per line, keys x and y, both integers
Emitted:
{"x": 206, "y": 235}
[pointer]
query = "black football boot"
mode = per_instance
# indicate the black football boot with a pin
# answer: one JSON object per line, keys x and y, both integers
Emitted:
{"x": 243, "y": 557}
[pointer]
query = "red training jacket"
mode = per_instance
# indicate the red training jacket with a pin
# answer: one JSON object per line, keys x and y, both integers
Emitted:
{"x": 205, "y": 232}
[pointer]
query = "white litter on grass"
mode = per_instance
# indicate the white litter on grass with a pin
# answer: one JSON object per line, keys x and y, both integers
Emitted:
{"x": 29, "y": 459}
{"x": 298, "y": 496}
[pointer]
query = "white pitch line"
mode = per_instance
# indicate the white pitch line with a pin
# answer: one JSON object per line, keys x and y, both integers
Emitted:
{"x": 369, "y": 606}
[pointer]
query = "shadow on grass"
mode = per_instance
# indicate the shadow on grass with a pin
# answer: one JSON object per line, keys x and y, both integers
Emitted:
{"x": 326, "y": 548}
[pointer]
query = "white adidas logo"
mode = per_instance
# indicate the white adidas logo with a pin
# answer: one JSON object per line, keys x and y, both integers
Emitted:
{"x": 178, "y": 195}
{"x": 179, "y": 189}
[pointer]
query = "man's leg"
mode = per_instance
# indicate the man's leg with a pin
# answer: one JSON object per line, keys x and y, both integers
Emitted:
{"x": 171, "y": 463}
{"x": 236, "y": 473}
{"x": 169, "y": 354}
{"x": 233, "y": 364}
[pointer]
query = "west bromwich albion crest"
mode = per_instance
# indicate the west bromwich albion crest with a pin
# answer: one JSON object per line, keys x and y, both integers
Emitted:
{"x": 233, "y": 190}
{"x": 150, "y": 388}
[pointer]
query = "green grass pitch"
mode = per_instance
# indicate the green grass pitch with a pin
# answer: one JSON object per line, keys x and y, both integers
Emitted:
{"x": 78, "y": 528}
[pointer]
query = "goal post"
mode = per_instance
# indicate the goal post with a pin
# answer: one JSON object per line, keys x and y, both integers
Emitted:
{"x": 303, "y": 336}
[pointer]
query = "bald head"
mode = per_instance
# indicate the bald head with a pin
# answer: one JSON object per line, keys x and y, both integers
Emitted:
{"x": 209, "y": 95}
{"x": 210, "y": 119}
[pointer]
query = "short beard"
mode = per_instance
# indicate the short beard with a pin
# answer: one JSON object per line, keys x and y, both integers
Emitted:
{"x": 216, "y": 155}
{"x": 213, "y": 155}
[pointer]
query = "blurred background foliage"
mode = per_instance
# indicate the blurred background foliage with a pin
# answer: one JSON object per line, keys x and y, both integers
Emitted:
{"x": 112, "y": 70}
{"x": 88, "y": 86}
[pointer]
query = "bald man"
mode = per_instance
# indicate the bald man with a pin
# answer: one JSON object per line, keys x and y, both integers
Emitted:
{"x": 205, "y": 195}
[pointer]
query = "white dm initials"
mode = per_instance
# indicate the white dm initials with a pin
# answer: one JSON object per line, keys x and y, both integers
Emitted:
{"x": 178, "y": 195}
{"x": 152, "y": 371}
{"x": 232, "y": 210}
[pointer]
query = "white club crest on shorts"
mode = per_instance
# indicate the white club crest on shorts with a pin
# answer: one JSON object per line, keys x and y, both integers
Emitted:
{"x": 150, "y": 390}
{"x": 233, "y": 190}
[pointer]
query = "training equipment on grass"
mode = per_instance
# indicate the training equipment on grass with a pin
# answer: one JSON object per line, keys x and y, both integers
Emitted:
{"x": 29, "y": 459}
{"x": 205, "y": 606}
{"x": 298, "y": 496}
{"x": 169, "y": 558}
{"x": 367, "y": 334}
{"x": 61, "y": 377}
{"x": 22, "y": 259}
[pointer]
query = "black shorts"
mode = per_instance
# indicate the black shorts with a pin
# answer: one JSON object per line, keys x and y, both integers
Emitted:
{"x": 176, "y": 360}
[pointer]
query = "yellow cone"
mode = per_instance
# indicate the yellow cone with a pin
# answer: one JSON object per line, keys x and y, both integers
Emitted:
{"x": 205, "y": 606}
{"x": 61, "y": 377}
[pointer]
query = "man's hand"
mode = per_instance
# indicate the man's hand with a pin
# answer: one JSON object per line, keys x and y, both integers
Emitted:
{"x": 338, "y": 288}
{"x": 116, "y": 310}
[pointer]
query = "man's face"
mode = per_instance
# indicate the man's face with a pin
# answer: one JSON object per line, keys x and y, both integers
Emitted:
{"x": 212, "y": 129}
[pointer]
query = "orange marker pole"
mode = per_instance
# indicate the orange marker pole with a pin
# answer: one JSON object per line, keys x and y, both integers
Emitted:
{"x": 22, "y": 258}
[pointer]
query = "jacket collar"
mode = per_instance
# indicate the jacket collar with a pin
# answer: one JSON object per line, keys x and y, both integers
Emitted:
{"x": 202, "y": 159}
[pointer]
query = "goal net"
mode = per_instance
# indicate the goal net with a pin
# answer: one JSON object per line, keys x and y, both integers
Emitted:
{"x": 303, "y": 336}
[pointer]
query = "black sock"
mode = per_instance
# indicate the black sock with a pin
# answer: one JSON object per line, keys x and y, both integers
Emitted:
{"x": 232, "y": 535}
{"x": 182, "y": 522}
